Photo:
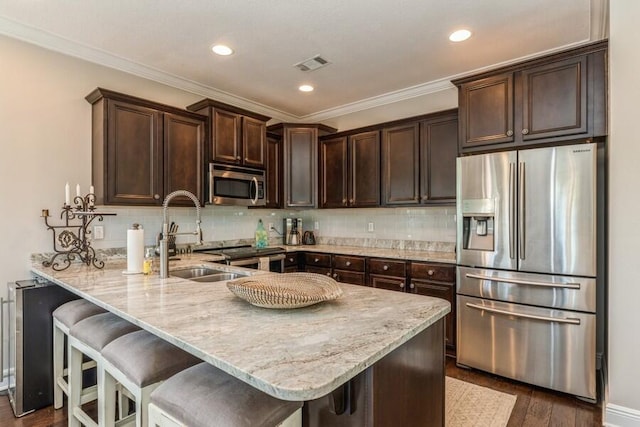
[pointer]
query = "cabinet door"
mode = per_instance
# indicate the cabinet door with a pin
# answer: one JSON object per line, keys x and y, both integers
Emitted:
{"x": 438, "y": 152}
{"x": 183, "y": 157}
{"x": 364, "y": 162}
{"x": 333, "y": 173}
{"x": 401, "y": 165}
{"x": 273, "y": 166}
{"x": 254, "y": 135}
{"x": 351, "y": 277}
{"x": 387, "y": 282}
{"x": 301, "y": 167}
{"x": 225, "y": 145}
{"x": 134, "y": 155}
{"x": 554, "y": 99}
{"x": 486, "y": 111}
{"x": 445, "y": 291}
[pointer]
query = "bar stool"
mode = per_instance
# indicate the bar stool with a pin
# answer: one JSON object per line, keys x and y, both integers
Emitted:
{"x": 139, "y": 362}
{"x": 203, "y": 396}
{"x": 89, "y": 337}
{"x": 64, "y": 317}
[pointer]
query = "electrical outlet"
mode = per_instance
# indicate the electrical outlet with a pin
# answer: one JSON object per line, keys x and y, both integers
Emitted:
{"x": 316, "y": 225}
{"x": 98, "y": 232}
{"x": 270, "y": 226}
{"x": 370, "y": 227}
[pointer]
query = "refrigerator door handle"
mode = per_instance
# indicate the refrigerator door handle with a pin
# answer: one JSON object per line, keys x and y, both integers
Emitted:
{"x": 525, "y": 282}
{"x": 568, "y": 320}
{"x": 521, "y": 209}
{"x": 512, "y": 209}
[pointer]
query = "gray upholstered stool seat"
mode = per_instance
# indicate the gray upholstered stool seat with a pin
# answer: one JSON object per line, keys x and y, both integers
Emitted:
{"x": 89, "y": 337}
{"x": 139, "y": 361}
{"x": 204, "y": 396}
{"x": 74, "y": 311}
{"x": 99, "y": 330}
{"x": 64, "y": 317}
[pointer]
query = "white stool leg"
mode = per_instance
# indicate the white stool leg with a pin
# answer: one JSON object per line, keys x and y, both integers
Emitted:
{"x": 58, "y": 365}
{"x": 106, "y": 398}
{"x": 157, "y": 418}
{"x": 75, "y": 385}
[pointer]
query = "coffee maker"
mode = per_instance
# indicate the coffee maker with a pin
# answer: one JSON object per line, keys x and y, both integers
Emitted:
{"x": 291, "y": 228}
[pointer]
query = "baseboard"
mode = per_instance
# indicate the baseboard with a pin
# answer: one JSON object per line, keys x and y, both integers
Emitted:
{"x": 620, "y": 416}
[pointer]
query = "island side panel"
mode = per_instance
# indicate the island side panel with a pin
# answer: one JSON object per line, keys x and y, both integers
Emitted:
{"x": 404, "y": 388}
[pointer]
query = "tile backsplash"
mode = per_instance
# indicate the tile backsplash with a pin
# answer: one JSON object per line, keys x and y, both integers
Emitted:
{"x": 434, "y": 224}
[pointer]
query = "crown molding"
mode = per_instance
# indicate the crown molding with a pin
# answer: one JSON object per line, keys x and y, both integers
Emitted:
{"x": 598, "y": 31}
{"x": 72, "y": 48}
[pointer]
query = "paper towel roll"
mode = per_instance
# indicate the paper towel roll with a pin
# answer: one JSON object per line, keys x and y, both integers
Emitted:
{"x": 135, "y": 250}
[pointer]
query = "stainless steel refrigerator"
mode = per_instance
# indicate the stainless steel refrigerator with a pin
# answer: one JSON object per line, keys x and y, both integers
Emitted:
{"x": 528, "y": 244}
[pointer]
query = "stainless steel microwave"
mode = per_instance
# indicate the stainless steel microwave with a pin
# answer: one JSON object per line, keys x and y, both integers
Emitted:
{"x": 237, "y": 186}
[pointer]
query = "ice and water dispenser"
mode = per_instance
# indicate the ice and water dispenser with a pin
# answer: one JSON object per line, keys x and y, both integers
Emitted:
{"x": 478, "y": 219}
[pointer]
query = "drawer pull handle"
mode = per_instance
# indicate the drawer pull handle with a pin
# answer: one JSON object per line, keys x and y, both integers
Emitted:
{"x": 524, "y": 282}
{"x": 329, "y": 274}
{"x": 316, "y": 260}
{"x": 412, "y": 285}
{"x": 348, "y": 263}
{"x": 335, "y": 275}
{"x": 569, "y": 320}
{"x": 385, "y": 267}
{"x": 430, "y": 272}
{"x": 401, "y": 285}
{"x": 290, "y": 259}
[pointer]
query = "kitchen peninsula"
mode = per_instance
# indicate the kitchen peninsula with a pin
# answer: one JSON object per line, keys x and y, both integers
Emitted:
{"x": 374, "y": 356}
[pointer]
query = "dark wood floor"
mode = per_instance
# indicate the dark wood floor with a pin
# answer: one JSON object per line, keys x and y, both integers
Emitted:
{"x": 535, "y": 407}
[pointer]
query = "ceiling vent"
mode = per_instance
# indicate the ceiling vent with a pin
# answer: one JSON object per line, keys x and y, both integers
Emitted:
{"x": 312, "y": 64}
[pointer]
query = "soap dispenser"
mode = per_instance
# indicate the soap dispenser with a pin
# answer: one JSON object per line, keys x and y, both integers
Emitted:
{"x": 262, "y": 237}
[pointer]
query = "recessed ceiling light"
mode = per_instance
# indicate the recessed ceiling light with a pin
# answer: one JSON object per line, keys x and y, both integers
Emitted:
{"x": 460, "y": 35}
{"x": 305, "y": 88}
{"x": 221, "y": 49}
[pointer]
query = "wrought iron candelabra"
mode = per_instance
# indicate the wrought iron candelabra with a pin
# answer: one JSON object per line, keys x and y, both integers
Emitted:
{"x": 73, "y": 238}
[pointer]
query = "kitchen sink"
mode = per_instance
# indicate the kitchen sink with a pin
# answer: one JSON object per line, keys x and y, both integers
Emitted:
{"x": 219, "y": 277}
{"x": 205, "y": 274}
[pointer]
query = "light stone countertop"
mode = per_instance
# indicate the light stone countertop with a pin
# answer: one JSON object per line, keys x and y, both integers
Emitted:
{"x": 298, "y": 354}
{"x": 406, "y": 254}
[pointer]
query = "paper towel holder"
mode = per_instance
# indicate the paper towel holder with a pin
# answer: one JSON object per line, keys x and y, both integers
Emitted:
{"x": 72, "y": 238}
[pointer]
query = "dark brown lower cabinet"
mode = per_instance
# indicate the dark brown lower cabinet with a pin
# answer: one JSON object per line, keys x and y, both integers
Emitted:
{"x": 437, "y": 280}
{"x": 388, "y": 274}
{"x": 292, "y": 262}
{"x": 405, "y": 388}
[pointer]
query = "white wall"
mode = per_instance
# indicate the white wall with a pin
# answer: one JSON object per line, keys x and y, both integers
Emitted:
{"x": 624, "y": 205}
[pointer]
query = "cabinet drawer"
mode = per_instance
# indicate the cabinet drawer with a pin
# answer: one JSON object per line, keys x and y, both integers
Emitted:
{"x": 352, "y": 277}
{"x": 319, "y": 260}
{"x": 439, "y": 272}
{"x": 387, "y": 267}
{"x": 353, "y": 263}
{"x": 291, "y": 260}
{"x": 326, "y": 271}
{"x": 387, "y": 282}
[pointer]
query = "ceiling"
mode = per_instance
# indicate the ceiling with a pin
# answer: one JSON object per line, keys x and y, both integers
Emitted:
{"x": 380, "y": 50}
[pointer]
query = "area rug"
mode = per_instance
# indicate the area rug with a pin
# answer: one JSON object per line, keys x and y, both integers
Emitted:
{"x": 470, "y": 405}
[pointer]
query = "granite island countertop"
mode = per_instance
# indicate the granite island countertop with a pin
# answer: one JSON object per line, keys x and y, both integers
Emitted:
{"x": 297, "y": 354}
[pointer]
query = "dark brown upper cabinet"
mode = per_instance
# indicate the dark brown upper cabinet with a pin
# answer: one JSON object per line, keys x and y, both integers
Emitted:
{"x": 401, "y": 164}
{"x": 300, "y": 162}
{"x": 273, "y": 169}
{"x": 237, "y": 136}
{"x": 438, "y": 152}
{"x": 142, "y": 150}
{"x": 350, "y": 171}
{"x": 552, "y": 99}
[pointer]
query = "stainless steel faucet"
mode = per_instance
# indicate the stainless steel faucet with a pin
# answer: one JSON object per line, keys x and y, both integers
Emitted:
{"x": 164, "y": 236}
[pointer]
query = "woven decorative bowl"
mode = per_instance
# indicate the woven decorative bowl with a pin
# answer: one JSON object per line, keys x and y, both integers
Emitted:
{"x": 291, "y": 290}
